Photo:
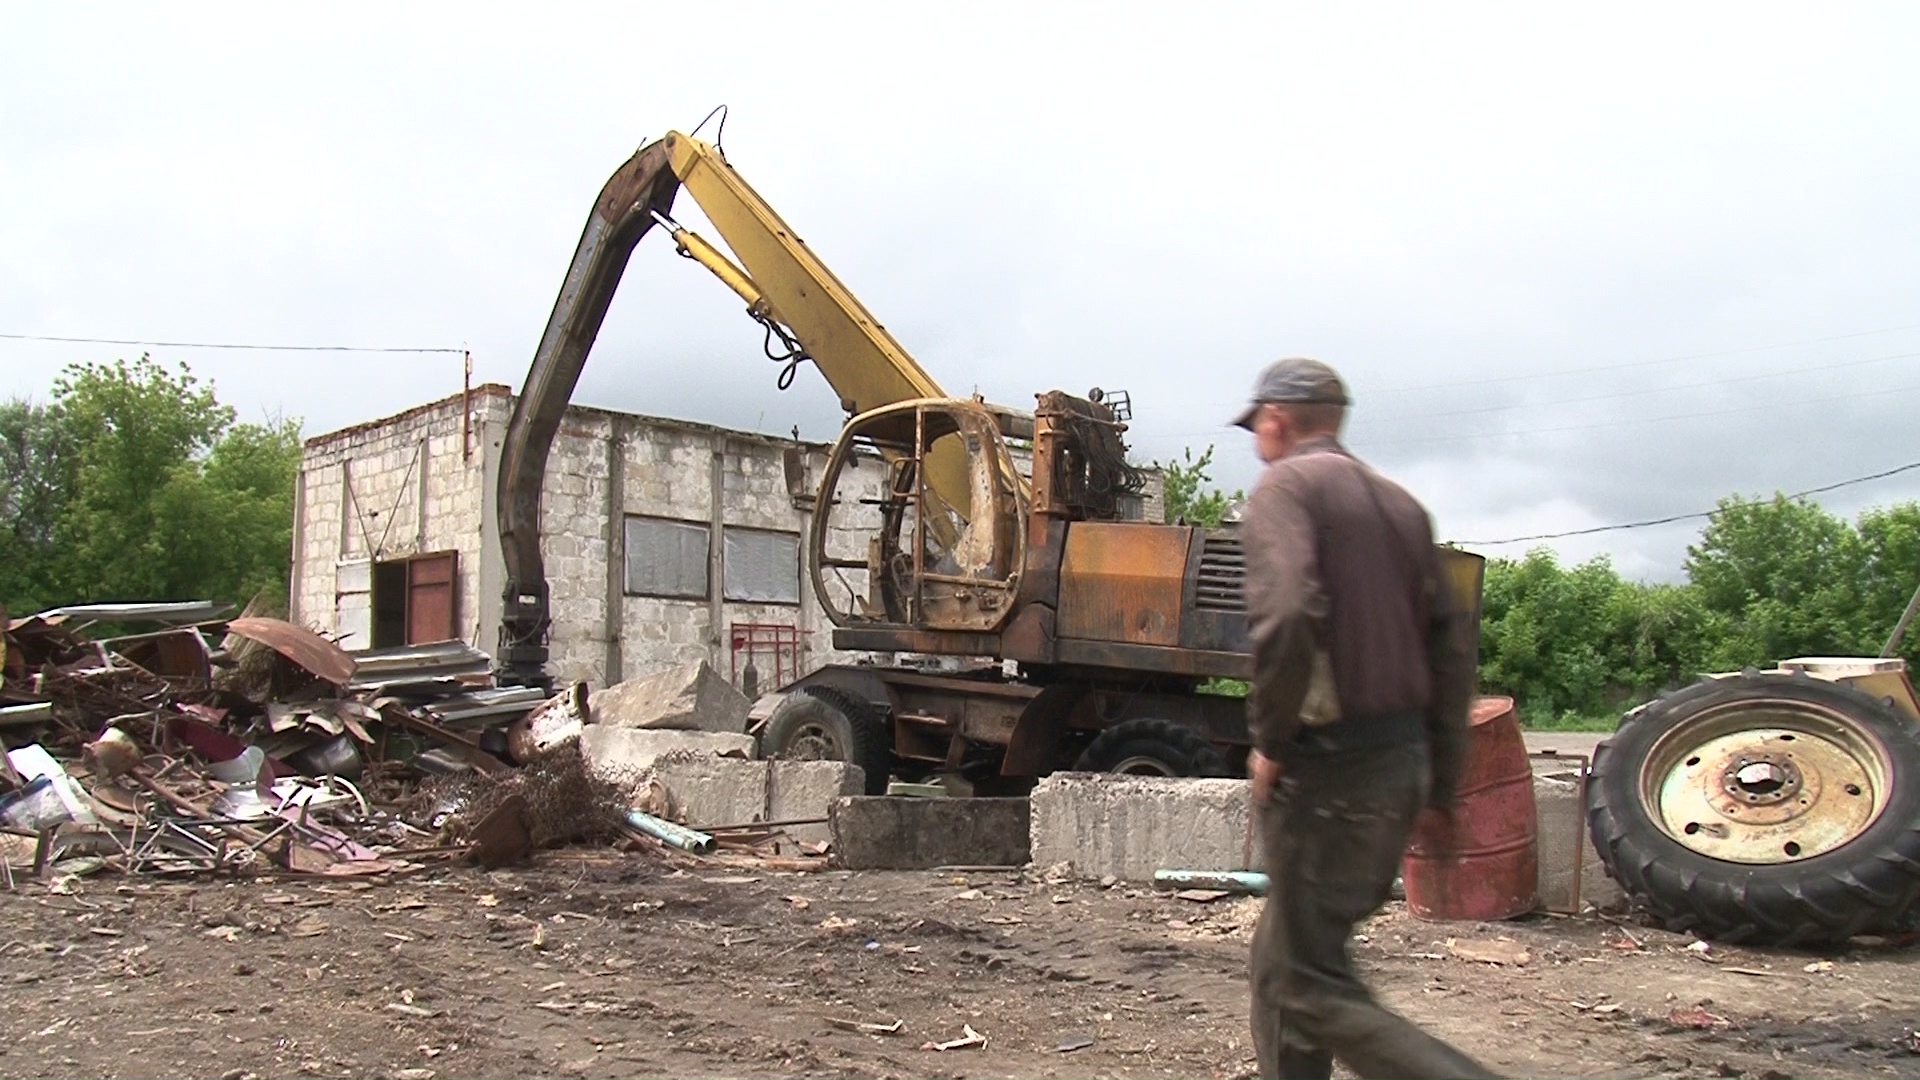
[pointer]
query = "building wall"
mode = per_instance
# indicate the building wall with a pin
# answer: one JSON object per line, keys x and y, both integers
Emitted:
{"x": 372, "y": 493}
{"x": 389, "y": 490}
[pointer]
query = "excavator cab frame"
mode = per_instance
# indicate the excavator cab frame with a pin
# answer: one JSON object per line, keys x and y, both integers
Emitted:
{"x": 932, "y": 563}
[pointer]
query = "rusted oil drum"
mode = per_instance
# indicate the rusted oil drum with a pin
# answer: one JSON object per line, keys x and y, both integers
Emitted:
{"x": 1492, "y": 870}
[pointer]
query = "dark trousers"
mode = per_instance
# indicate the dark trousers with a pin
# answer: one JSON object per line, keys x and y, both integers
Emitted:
{"x": 1334, "y": 833}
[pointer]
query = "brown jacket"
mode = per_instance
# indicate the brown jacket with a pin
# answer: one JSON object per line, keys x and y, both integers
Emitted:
{"x": 1350, "y": 616}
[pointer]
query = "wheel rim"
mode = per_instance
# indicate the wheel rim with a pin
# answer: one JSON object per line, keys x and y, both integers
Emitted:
{"x": 1766, "y": 781}
{"x": 814, "y": 742}
{"x": 1143, "y": 765}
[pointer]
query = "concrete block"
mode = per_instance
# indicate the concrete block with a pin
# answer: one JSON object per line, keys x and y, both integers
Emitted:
{"x": 730, "y": 791}
{"x": 1130, "y": 826}
{"x": 797, "y": 790}
{"x": 690, "y": 697}
{"x": 623, "y": 755}
{"x": 1563, "y": 831}
{"x": 714, "y": 790}
{"x": 877, "y": 832}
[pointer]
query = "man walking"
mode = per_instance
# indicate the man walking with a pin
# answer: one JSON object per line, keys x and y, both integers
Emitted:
{"x": 1358, "y": 712}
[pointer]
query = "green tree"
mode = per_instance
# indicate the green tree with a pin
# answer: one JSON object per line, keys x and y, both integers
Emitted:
{"x": 1559, "y": 640}
{"x": 1190, "y": 497}
{"x": 136, "y": 484}
{"x": 1787, "y": 578}
{"x": 36, "y": 484}
{"x": 134, "y": 427}
{"x": 1890, "y": 541}
{"x": 241, "y": 498}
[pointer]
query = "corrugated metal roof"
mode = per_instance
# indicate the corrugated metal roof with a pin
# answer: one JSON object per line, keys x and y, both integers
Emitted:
{"x": 184, "y": 611}
{"x": 440, "y": 668}
{"x": 485, "y": 705}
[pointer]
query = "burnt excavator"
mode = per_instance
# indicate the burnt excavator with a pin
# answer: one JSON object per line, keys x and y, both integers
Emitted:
{"x": 991, "y": 542}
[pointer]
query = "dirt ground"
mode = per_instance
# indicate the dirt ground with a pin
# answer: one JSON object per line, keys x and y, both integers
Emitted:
{"x": 605, "y": 963}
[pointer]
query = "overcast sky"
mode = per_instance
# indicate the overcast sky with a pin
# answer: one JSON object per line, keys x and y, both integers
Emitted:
{"x": 1580, "y": 265}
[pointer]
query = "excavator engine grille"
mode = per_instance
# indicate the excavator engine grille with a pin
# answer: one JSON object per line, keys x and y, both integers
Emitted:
{"x": 1223, "y": 575}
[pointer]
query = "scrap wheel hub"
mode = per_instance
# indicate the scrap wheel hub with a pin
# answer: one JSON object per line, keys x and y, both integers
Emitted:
{"x": 813, "y": 742}
{"x": 1143, "y": 765}
{"x": 1765, "y": 794}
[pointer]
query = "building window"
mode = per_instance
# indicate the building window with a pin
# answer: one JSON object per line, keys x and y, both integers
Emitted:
{"x": 762, "y": 567}
{"x": 667, "y": 558}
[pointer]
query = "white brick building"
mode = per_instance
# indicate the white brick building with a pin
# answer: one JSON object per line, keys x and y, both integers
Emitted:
{"x": 396, "y": 539}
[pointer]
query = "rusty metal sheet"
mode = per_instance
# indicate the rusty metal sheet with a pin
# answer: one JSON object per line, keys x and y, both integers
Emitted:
{"x": 298, "y": 644}
{"x": 1123, "y": 582}
{"x": 177, "y": 655}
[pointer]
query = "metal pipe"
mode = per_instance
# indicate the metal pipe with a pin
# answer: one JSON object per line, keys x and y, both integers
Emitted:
{"x": 1900, "y": 629}
{"x": 678, "y": 835}
{"x": 1240, "y": 881}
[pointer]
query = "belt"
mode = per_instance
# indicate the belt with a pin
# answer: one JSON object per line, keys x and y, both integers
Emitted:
{"x": 1360, "y": 733}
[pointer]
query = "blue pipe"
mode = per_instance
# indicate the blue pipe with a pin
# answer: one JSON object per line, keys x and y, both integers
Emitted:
{"x": 1240, "y": 881}
{"x": 678, "y": 835}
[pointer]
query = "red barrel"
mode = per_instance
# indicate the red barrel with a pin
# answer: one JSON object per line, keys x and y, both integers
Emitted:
{"x": 1492, "y": 870}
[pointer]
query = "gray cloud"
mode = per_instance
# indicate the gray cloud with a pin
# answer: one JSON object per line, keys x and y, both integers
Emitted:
{"x": 1425, "y": 197}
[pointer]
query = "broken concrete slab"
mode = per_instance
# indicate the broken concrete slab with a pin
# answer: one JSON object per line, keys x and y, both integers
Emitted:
{"x": 712, "y": 791}
{"x": 689, "y": 697}
{"x": 1131, "y": 826}
{"x": 1102, "y": 824}
{"x": 880, "y": 832}
{"x": 1563, "y": 831}
{"x": 799, "y": 790}
{"x": 622, "y": 756}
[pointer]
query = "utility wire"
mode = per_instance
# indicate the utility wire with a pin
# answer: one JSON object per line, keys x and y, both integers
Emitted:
{"x": 1638, "y": 419}
{"x": 1837, "y": 485}
{"x": 1644, "y": 363}
{"x": 1645, "y": 390}
{"x": 226, "y": 345}
{"x": 1359, "y": 438}
{"x": 1229, "y": 406}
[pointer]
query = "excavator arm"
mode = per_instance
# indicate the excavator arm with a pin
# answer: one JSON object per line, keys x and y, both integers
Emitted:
{"x": 787, "y": 289}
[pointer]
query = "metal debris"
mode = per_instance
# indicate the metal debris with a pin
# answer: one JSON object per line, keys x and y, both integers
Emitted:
{"x": 969, "y": 1040}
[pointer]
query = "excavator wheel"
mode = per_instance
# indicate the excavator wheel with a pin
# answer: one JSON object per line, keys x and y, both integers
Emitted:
{"x": 1770, "y": 808}
{"x": 1146, "y": 746}
{"x": 820, "y": 723}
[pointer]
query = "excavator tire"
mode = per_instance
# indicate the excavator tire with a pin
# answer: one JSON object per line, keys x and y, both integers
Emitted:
{"x": 1767, "y": 808}
{"x": 1145, "y": 746}
{"x": 820, "y": 723}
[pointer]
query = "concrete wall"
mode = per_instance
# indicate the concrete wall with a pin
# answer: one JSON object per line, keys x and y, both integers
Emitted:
{"x": 387, "y": 490}
{"x": 401, "y": 486}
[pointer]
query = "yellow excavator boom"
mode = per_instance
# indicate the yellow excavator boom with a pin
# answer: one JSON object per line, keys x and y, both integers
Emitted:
{"x": 787, "y": 289}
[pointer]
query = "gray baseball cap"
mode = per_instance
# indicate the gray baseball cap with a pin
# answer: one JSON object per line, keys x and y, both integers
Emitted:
{"x": 1296, "y": 380}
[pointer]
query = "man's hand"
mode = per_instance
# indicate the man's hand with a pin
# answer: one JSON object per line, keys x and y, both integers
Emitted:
{"x": 1435, "y": 828}
{"x": 1263, "y": 771}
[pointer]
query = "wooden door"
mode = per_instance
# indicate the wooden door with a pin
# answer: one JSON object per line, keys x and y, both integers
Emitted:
{"x": 430, "y": 598}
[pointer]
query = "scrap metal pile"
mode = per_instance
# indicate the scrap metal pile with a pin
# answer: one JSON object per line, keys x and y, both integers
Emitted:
{"x": 167, "y": 738}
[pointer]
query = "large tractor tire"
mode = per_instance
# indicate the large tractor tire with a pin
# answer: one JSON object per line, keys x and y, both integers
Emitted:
{"x": 1767, "y": 808}
{"x": 820, "y": 723}
{"x": 1145, "y": 746}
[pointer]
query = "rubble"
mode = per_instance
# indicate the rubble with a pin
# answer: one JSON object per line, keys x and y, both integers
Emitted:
{"x": 691, "y": 697}
{"x": 171, "y": 739}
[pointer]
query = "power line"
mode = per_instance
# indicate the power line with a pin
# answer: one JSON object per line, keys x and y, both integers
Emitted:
{"x": 226, "y": 345}
{"x": 1645, "y": 363}
{"x": 1638, "y": 419}
{"x": 1359, "y": 438}
{"x": 1686, "y": 517}
{"x": 1642, "y": 391}
{"x": 1229, "y": 406}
